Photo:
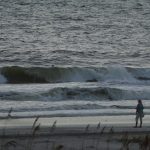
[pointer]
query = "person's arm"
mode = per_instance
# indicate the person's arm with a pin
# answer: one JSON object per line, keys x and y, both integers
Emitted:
{"x": 137, "y": 108}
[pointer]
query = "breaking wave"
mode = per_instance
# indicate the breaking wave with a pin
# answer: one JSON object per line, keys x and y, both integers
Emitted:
{"x": 16, "y": 74}
{"x": 78, "y": 93}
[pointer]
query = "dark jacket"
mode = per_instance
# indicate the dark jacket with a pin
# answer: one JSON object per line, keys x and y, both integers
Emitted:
{"x": 139, "y": 108}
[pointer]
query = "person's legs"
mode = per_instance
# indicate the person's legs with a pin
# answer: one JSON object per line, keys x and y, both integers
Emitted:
{"x": 141, "y": 121}
{"x": 136, "y": 120}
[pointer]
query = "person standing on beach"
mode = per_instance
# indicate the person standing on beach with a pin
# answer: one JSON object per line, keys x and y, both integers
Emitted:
{"x": 139, "y": 113}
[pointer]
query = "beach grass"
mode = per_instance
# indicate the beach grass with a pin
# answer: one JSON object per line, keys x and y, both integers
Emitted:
{"x": 88, "y": 137}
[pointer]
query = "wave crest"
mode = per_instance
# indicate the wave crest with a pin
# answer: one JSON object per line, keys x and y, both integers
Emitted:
{"x": 16, "y": 74}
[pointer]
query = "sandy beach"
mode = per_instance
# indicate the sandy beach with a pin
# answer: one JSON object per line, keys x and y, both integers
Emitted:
{"x": 74, "y": 133}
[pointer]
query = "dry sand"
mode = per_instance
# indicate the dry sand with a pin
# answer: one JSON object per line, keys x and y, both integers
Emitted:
{"x": 74, "y": 133}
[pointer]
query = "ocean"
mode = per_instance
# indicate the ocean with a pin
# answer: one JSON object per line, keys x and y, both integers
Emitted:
{"x": 74, "y": 57}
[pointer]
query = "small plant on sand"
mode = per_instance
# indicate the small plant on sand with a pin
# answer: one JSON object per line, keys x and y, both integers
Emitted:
{"x": 9, "y": 112}
{"x": 98, "y": 140}
{"x": 125, "y": 141}
{"x": 35, "y": 121}
{"x": 110, "y": 136}
{"x": 102, "y": 131}
{"x": 83, "y": 141}
{"x": 9, "y": 144}
{"x": 145, "y": 143}
{"x": 53, "y": 127}
{"x": 59, "y": 147}
{"x": 98, "y": 126}
{"x": 87, "y": 128}
{"x": 34, "y": 131}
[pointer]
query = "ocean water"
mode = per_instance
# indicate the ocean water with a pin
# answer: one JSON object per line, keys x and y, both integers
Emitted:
{"x": 74, "y": 57}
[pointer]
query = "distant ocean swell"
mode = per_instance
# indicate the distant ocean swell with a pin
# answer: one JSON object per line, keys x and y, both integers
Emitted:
{"x": 16, "y": 74}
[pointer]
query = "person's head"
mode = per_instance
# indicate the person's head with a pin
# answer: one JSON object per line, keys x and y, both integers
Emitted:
{"x": 139, "y": 101}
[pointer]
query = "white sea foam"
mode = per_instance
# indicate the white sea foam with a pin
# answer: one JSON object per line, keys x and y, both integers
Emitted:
{"x": 2, "y": 79}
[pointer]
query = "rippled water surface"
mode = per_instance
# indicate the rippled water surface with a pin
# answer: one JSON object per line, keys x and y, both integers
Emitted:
{"x": 74, "y": 57}
{"x": 78, "y": 33}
